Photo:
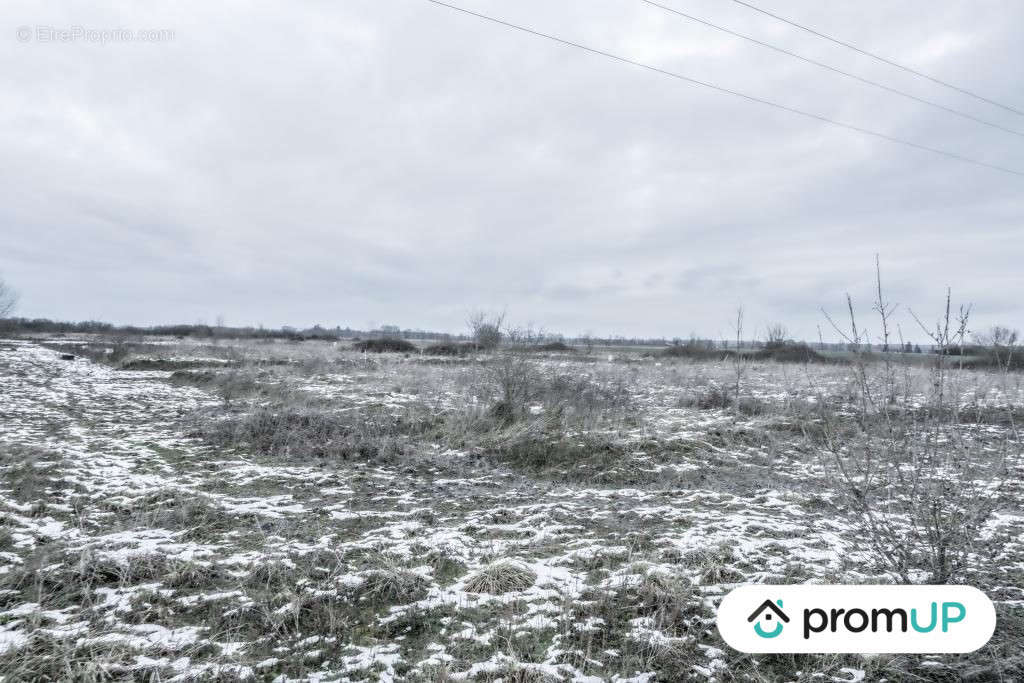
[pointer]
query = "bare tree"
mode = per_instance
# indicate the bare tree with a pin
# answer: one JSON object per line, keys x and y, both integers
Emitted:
{"x": 8, "y": 299}
{"x": 885, "y": 310}
{"x": 776, "y": 335}
{"x": 739, "y": 359}
{"x": 526, "y": 335}
{"x": 997, "y": 335}
{"x": 1001, "y": 343}
{"x": 587, "y": 339}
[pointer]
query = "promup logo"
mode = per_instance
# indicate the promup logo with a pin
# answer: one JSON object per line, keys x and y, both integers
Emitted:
{"x": 904, "y": 619}
{"x": 764, "y": 615}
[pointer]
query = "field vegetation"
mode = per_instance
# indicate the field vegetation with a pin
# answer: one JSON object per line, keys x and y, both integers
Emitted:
{"x": 497, "y": 509}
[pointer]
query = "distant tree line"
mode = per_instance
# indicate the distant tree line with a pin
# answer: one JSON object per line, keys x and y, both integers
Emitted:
{"x": 199, "y": 330}
{"x": 485, "y": 332}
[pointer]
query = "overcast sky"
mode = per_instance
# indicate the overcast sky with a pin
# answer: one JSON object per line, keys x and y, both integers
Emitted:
{"x": 394, "y": 162}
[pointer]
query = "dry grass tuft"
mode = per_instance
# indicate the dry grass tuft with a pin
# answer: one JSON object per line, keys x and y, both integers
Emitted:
{"x": 392, "y": 585}
{"x": 501, "y": 577}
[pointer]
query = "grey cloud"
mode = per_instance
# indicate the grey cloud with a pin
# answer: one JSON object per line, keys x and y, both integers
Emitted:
{"x": 393, "y": 161}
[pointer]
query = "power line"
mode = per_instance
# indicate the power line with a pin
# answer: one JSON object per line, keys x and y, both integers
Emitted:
{"x": 735, "y": 93}
{"x": 880, "y": 58}
{"x": 833, "y": 69}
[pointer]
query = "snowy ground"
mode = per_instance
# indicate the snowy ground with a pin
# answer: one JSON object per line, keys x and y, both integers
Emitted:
{"x": 130, "y": 547}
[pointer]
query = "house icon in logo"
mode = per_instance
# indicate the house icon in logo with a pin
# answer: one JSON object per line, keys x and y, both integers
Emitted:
{"x": 767, "y": 613}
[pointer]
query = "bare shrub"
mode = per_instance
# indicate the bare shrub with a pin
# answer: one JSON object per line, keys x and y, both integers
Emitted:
{"x": 554, "y": 346}
{"x": 487, "y": 329}
{"x": 526, "y": 336}
{"x": 449, "y": 348}
{"x": 921, "y": 482}
{"x": 695, "y": 350}
{"x": 385, "y": 345}
{"x": 516, "y": 379}
{"x": 789, "y": 352}
{"x": 234, "y": 384}
{"x": 520, "y": 383}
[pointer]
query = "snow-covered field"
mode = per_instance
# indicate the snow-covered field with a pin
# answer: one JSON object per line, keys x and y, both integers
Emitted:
{"x": 138, "y": 541}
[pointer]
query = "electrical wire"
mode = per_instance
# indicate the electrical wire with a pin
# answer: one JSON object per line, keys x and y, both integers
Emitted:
{"x": 896, "y": 91}
{"x": 879, "y": 58}
{"x": 735, "y": 93}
